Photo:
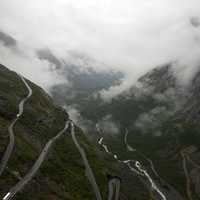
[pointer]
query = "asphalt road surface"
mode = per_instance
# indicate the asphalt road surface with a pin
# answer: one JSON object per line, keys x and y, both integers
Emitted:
{"x": 114, "y": 188}
{"x": 88, "y": 170}
{"x": 11, "y": 143}
{"x": 19, "y": 186}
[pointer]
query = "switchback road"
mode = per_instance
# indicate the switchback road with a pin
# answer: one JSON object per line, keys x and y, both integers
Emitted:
{"x": 11, "y": 143}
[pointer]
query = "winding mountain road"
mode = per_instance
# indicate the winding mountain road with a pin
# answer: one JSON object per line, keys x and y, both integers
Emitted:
{"x": 25, "y": 180}
{"x": 114, "y": 188}
{"x": 88, "y": 170}
{"x": 171, "y": 192}
{"x": 128, "y": 147}
{"x": 188, "y": 183}
{"x": 197, "y": 166}
{"x": 11, "y": 144}
{"x": 143, "y": 171}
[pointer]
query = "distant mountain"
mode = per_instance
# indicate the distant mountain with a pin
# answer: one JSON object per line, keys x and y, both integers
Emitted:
{"x": 62, "y": 174}
{"x": 46, "y": 54}
{"x": 149, "y": 135}
{"x": 161, "y": 118}
{"x": 83, "y": 80}
{"x": 7, "y": 40}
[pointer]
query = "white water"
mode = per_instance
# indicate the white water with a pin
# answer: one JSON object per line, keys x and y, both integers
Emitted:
{"x": 153, "y": 185}
{"x": 139, "y": 171}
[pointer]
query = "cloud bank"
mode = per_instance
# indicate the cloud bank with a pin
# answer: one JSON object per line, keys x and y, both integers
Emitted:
{"x": 132, "y": 36}
{"x": 27, "y": 64}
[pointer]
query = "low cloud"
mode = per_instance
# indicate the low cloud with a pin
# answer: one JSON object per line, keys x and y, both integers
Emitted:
{"x": 7, "y": 40}
{"x": 170, "y": 102}
{"x": 24, "y": 61}
{"x": 113, "y": 91}
{"x": 130, "y": 36}
{"x": 151, "y": 121}
{"x": 108, "y": 126}
{"x": 46, "y": 54}
{"x": 74, "y": 114}
{"x": 195, "y": 21}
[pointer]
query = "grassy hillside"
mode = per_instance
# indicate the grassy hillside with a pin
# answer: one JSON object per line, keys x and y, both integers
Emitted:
{"x": 62, "y": 174}
{"x": 162, "y": 119}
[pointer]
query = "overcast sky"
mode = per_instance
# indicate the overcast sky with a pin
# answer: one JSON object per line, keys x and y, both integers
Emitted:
{"x": 128, "y": 35}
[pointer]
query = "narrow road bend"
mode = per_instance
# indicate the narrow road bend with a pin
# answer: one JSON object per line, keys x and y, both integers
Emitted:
{"x": 27, "y": 178}
{"x": 88, "y": 170}
{"x": 11, "y": 143}
{"x": 114, "y": 188}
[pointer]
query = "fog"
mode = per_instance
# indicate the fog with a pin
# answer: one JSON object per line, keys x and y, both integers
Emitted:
{"x": 132, "y": 36}
{"x": 27, "y": 64}
{"x": 109, "y": 126}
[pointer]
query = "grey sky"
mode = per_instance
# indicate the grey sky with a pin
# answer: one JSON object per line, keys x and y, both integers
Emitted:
{"x": 129, "y": 35}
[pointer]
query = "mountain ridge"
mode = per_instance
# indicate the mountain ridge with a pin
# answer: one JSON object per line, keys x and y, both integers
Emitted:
{"x": 42, "y": 119}
{"x": 161, "y": 117}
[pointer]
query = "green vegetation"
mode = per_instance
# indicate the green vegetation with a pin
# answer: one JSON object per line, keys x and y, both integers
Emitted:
{"x": 62, "y": 175}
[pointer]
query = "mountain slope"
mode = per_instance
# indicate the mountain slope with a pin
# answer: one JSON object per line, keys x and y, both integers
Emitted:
{"x": 61, "y": 176}
{"x": 161, "y": 118}
{"x": 157, "y": 128}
